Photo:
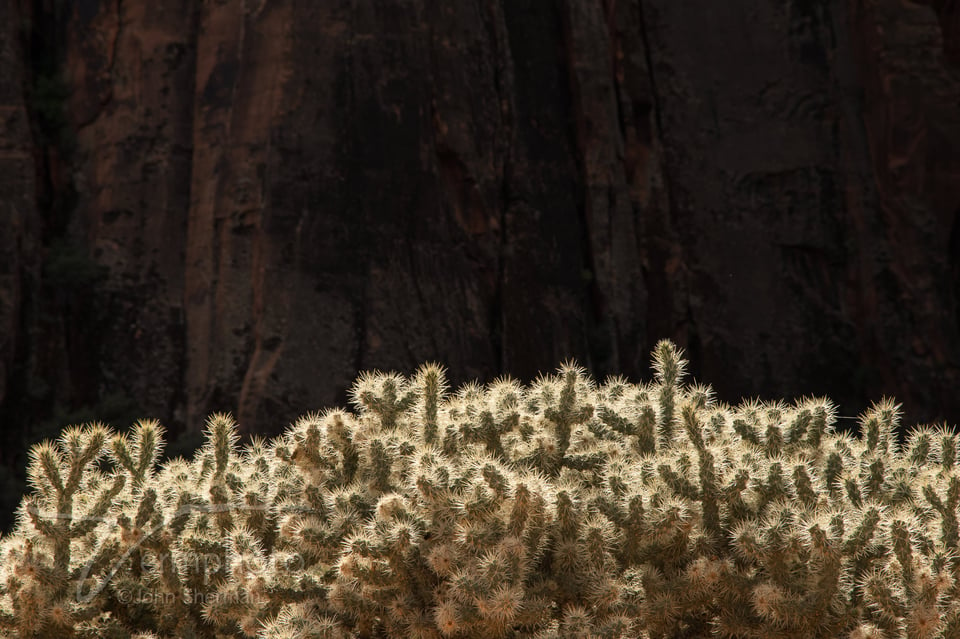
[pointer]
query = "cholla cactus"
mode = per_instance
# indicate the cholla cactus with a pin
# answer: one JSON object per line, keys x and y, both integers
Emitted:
{"x": 563, "y": 509}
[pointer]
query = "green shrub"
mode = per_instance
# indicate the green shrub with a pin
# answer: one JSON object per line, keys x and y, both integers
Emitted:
{"x": 563, "y": 509}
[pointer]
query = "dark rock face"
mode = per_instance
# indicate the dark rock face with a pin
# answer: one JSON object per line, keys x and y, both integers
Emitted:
{"x": 262, "y": 198}
{"x": 17, "y": 193}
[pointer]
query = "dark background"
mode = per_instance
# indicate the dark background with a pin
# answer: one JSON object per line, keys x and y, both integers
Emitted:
{"x": 240, "y": 204}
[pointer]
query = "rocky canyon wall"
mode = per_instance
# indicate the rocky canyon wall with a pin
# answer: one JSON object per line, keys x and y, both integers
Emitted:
{"x": 239, "y": 204}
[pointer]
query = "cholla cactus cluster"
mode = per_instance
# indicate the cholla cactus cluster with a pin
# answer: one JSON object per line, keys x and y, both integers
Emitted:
{"x": 563, "y": 509}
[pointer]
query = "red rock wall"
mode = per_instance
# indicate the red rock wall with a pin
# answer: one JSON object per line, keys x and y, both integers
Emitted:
{"x": 286, "y": 193}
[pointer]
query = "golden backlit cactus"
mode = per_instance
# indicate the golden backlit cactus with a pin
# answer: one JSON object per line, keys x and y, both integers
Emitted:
{"x": 562, "y": 509}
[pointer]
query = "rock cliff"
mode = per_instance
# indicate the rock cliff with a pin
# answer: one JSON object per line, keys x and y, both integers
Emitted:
{"x": 238, "y": 204}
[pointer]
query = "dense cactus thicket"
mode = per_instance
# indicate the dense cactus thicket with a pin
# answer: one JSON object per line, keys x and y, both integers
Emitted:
{"x": 562, "y": 509}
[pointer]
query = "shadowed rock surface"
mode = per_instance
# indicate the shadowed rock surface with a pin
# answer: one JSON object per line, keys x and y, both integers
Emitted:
{"x": 238, "y": 205}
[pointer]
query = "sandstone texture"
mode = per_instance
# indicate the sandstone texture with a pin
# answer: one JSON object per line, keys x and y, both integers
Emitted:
{"x": 239, "y": 204}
